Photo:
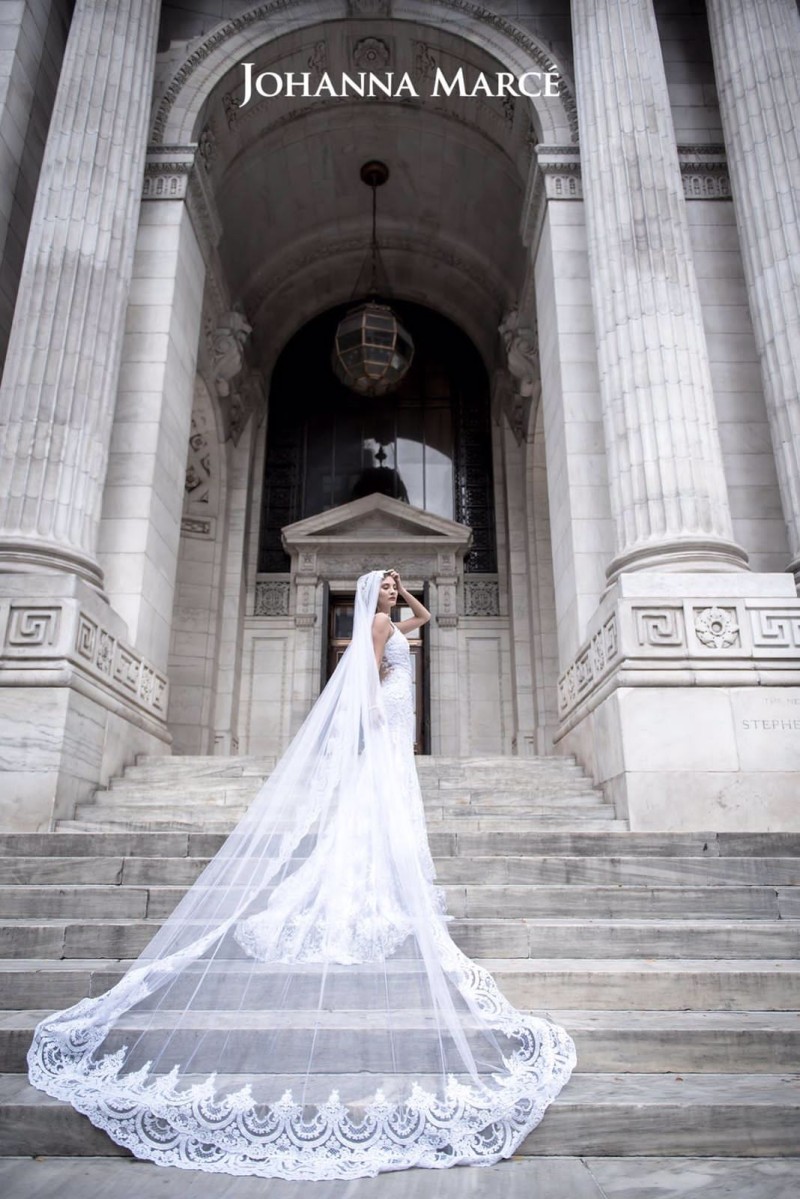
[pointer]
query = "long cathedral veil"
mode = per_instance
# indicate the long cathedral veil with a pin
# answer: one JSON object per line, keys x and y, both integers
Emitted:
{"x": 303, "y": 1013}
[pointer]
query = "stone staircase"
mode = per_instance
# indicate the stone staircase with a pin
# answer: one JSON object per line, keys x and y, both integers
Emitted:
{"x": 674, "y": 959}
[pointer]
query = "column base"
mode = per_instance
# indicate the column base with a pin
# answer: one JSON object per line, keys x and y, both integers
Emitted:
{"x": 684, "y": 704}
{"x": 24, "y": 555}
{"x": 682, "y": 555}
{"x": 77, "y": 704}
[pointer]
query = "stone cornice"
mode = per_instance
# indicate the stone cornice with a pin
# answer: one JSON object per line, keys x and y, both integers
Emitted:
{"x": 556, "y": 175}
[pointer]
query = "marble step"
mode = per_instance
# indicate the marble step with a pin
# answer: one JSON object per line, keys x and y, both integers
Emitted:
{"x": 746, "y": 1116}
{"x": 79, "y": 938}
{"x": 91, "y": 819}
{"x": 463, "y": 842}
{"x": 558, "y": 870}
{"x": 562, "y": 1177}
{"x": 433, "y": 763}
{"x": 607, "y": 1041}
{"x": 503, "y": 900}
{"x": 533, "y": 983}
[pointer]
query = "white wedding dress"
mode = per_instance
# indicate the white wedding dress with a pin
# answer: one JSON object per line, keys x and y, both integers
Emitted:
{"x": 304, "y": 1012}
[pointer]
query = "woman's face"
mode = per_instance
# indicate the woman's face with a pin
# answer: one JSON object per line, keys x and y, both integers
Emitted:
{"x": 387, "y": 596}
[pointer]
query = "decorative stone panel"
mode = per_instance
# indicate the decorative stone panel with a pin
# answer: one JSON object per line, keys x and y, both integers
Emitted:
{"x": 62, "y": 639}
{"x": 272, "y": 597}
{"x": 746, "y": 640}
{"x": 481, "y": 596}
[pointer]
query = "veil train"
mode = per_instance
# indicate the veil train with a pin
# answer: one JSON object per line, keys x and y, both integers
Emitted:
{"x": 304, "y": 1013}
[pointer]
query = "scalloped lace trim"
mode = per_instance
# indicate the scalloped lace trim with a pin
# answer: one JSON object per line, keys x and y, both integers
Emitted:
{"x": 194, "y": 1128}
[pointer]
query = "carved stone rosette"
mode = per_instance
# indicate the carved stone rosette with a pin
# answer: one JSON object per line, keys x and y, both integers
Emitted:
{"x": 695, "y": 641}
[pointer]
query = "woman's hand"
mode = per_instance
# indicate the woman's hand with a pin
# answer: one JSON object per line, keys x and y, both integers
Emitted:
{"x": 397, "y": 581}
{"x": 421, "y": 614}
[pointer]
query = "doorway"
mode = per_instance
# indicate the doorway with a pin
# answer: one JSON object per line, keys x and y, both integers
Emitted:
{"x": 340, "y": 631}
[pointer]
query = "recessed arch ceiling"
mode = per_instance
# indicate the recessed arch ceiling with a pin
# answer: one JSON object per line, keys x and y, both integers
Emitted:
{"x": 296, "y": 218}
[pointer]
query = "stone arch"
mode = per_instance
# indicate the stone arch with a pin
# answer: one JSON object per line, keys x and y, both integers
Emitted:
{"x": 178, "y": 110}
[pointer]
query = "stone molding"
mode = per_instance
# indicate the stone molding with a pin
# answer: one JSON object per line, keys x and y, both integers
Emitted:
{"x": 700, "y": 641}
{"x": 50, "y": 641}
{"x": 173, "y": 173}
{"x": 556, "y": 175}
{"x": 291, "y": 11}
{"x": 704, "y": 172}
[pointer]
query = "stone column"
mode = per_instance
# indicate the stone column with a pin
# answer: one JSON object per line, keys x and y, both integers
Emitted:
{"x": 668, "y": 494}
{"x": 59, "y": 385}
{"x": 756, "y": 50}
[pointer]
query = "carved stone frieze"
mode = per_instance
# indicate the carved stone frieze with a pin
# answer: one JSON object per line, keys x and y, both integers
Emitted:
{"x": 60, "y": 637}
{"x": 704, "y": 172}
{"x": 592, "y": 664}
{"x": 645, "y": 643}
{"x": 494, "y": 24}
{"x": 556, "y": 175}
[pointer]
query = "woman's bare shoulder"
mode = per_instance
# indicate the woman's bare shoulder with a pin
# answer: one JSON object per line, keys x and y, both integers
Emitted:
{"x": 381, "y": 620}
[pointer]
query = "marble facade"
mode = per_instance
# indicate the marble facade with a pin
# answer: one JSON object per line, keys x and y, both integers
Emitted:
{"x": 644, "y": 614}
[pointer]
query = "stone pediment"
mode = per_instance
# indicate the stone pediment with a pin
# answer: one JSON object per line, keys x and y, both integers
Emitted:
{"x": 378, "y": 519}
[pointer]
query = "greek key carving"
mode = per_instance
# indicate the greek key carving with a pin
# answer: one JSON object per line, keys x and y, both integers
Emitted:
{"x": 86, "y": 638}
{"x": 776, "y": 630}
{"x": 659, "y": 627}
{"x": 590, "y": 665}
{"x": 127, "y": 668}
{"x": 716, "y": 627}
{"x": 32, "y": 626}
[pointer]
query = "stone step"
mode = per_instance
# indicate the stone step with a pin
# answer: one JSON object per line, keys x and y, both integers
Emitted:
{"x": 607, "y": 1041}
{"x": 533, "y": 983}
{"x": 509, "y": 900}
{"x": 563, "y": 1177}
{"x": 90, "y": 819}
{"x": 523, "y": 938}
{"x": 749, "y": 1115}
{"x": 463, "y": 842}
{"x": 433, "y": 762}
{"x": 558, "y": 870}
{"x": 223, "y": 801}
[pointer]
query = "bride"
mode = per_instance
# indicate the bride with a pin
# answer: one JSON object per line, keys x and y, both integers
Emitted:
{"x": 304, "y": 1013}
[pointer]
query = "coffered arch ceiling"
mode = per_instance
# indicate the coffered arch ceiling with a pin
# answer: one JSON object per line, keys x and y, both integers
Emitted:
{"x": 296, "y": 218}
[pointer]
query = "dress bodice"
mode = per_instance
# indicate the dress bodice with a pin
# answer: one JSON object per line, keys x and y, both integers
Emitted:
{"x": 397, "y": 686}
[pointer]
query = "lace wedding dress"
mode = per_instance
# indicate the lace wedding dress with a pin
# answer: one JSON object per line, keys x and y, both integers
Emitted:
{"x": 304, "y": 1013}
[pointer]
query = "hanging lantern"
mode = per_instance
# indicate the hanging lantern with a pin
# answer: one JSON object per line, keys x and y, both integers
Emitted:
{"x": 372, "y": 351}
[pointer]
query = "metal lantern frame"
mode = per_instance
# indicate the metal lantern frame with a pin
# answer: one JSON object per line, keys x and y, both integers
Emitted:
{"x": 372, "y": 351}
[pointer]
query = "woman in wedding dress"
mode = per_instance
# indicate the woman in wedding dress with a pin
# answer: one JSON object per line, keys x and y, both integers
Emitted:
{"x": 304, "y": 1013}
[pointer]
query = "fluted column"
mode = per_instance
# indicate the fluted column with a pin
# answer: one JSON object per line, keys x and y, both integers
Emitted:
{"x": 59, "y": 385}
{"x": 668, "y": 493}
{"x": 756, "y": 50}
